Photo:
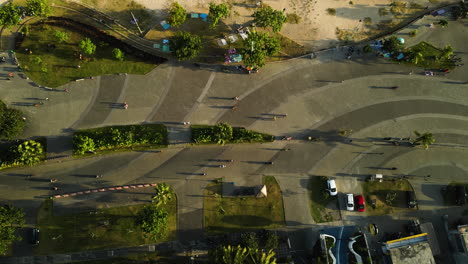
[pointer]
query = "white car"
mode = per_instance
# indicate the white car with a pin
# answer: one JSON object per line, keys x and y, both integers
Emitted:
{"x": 350, "y": 202}
{"x": 331, "y": 187}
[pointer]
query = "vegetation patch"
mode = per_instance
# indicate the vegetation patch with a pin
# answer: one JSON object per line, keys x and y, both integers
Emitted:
{"x": 232, "y": 214}
{"x": 426, "y": 55}
{"x": 53, "y": 53}
{"x": 103, "y": 228}
{"x": 119, "y": 138}
{"x": 320, "y": 198}
{"x": 223, "y": 133}
{"x": 293, "y": 18}
{"x": 22, "y": 152}
{"x": 386, "y": 197}
{"x": 11, "y": 122}
{"x": 11, "y": 219}
{"x": 331, "y": 11}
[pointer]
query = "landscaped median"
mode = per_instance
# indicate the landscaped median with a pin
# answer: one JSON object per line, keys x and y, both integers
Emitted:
{"x": 17, "y": 153}
{"x": 223, "y": 133}
{"x": 233, "y": 214}
{"x": 119, "y": 138}
{"x": 321, "y": 202}
{"x": 123, "y": 226}
{"x": 386, "y": 197}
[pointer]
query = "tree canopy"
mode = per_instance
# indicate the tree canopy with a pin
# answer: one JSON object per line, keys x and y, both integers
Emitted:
{"x": 257, "y": 47}
{"x": 217, "y": 12}
{"x": 266, "y": 16}
{"x": 11, "y": 219}
{"x": 39, "y": 7}
{"x": 177, "y": 15}
{"x": 153, "y": 221}
{"x": 392, "y": 45}
{"x": 118, "y": 54}
{"x": 11, "y": 122}
{"x": 87, "y": 46}
{"x": 61, "y": 36}
{"x": 9, "y": 15}
{"x": 185, "y": 45}
{"x": 222, "y": 133}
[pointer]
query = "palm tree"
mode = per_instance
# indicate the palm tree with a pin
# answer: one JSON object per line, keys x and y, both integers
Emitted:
{"x": 164, "y": 194}
{"x": 234, "y": 255}
{"x": 262, "y": 257}
{"x": 417, "y": 58}
{"x": 425, "y": 139}
{"x": 446, "y": 52}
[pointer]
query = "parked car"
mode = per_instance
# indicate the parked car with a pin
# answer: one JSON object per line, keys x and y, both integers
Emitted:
{"x": 361, "y": 204}
{"x": 429, "y": 73}
{"x": 411, "y": 199}
{"x": 350, "y": 202}
{"x": 460, "y": 195}
{"x": 35, "y": 236}
{"x": 331, "y": 187}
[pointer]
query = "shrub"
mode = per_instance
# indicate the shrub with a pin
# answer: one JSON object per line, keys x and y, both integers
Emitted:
{"x": 367, "y": 49}
{"x": 383, "y": 11}
{"x": 153, "y": 135}
{"x": 220, "y": 134}
{"x": 61, "y": 36}
{"x": 367, "y": 20}
{"x": 83, "y": 144}
{"x": 28, "y": 152}
{"x": 266, "y": 16}
{"x": 153, "y": 221}
{"x": 118, "y": 54}
{"x": 249, "y": 240}
{"x": 351, "y": 2}
{"x": 443, "y": 23}
{"x": 177, "y": 15}
{"x": 271, "y": 240}
{"x": 413, "y": 33}
{"x": 331, "y": 11}
{"x": 293, "y": 18}
{"x": 87, "y": 46}
{"x": 11, "y": 122}
{"x": 25, "y": 30}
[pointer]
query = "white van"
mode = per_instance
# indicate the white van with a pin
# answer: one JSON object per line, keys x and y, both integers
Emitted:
{"x": 350, "y": 202}
{"x": 331, "y": 187}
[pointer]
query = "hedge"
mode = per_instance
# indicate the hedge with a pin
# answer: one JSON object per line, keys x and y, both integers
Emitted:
{"x": 204, "y": 134}
{"x": 119, "y": 137}
{"x": 11, "y": 157}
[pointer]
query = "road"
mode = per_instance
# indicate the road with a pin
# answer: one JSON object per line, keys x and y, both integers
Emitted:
{"x": 319, "y": 96}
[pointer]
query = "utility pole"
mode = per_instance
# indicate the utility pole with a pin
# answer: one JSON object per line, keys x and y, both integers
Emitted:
{"x": 136, "y": 23}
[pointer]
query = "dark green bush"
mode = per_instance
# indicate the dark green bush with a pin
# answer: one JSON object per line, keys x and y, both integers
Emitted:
{"x": 153, "y": 135}
{"x": 216, "y": 135}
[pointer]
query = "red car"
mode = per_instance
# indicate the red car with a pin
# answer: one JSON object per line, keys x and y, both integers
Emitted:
{"x": 360, "y": 203}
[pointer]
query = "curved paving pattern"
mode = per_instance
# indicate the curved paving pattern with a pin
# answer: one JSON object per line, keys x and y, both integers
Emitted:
{"x": 309, "y": 91}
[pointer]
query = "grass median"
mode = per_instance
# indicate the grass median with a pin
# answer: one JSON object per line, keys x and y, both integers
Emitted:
{"x": 388, "y": 196}
{"x": 103, "y": 228}
{"x": 235, "y": 214}
{"x": 320, "y": 199}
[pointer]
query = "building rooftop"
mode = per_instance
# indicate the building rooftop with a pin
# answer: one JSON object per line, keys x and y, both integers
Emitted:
{"x": 415, "y": 253}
